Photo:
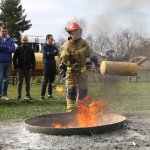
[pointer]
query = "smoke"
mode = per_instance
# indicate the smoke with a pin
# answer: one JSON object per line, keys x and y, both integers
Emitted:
{"x": 117, "y": 15}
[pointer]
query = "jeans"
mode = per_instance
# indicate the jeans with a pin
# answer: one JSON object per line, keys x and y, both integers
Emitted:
{"x": 5, "y": 71}
{"x": 49, "y": 77}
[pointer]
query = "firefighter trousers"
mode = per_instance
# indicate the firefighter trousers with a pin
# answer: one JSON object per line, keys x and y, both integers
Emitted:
{"x": 76, "y": 89}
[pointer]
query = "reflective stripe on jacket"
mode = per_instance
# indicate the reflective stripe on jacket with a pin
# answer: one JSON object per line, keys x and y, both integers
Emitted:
{"x": 76, "y": 52}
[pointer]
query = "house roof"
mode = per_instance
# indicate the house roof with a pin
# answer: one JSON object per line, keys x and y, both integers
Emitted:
{"x": 142, "y": 61}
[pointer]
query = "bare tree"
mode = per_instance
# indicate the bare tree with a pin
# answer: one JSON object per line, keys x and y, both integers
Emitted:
{"x": 102, "y": 42}
{"x": 124, "y": 43}
{"x": 142, "y": 48}
{"x": 61, "y": 41}
{"x": 90, "y": 41}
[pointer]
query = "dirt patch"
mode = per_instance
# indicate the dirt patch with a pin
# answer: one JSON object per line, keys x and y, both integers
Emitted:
{"x": 136, "y": 135}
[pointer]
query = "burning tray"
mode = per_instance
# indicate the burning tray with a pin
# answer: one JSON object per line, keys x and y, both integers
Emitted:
{"x": 65, "y": 124}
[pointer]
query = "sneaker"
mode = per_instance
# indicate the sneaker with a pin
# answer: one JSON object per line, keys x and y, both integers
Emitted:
{"x": 42, "y": 98}
{"x": 50, "y": 96}
{"x": 28, "y": 98}
{"x": 5, "y": 98}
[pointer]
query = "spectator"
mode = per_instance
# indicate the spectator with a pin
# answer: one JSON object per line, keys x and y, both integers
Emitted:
{"x": 24, "y": 63}
{"x": 49, "y": 51}
{"x": 6, "y": 48}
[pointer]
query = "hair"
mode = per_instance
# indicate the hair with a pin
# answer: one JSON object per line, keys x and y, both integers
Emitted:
{"x": 4, "y": 27}
{"x": 48, "y": 35}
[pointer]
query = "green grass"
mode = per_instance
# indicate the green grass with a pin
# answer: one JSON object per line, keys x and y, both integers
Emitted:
{"x": 123, "y": 98}
{"x": 14, "y": 110}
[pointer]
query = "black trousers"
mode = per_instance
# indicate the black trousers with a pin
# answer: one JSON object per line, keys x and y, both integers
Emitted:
{"x": 49, "y": 74}
{"x": 21, "y": 75}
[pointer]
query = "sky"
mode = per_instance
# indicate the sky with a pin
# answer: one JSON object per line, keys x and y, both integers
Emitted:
{"x": 111, "y": 16}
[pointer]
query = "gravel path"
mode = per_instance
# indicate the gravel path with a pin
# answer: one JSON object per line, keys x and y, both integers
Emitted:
{"x": 13, "y": 136}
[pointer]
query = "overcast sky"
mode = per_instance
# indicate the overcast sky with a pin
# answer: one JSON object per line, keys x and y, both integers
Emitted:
{"x": 51, "y": 16}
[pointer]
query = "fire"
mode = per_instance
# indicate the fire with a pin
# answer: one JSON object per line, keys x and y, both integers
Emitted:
{"x": 87, "y": 114}
{"x": 59, "y": 89}
{"x": 61, "y": 126}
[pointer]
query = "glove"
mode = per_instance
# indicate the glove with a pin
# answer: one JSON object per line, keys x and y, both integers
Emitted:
{"x": 63, "y": 69}
{"x": 94, "y": 59}
{"x": 75, "y": 67}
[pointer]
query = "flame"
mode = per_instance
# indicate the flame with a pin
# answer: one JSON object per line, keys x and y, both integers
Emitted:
{"x": 87, "y": 114}
{"x": 59, "y": 89}
{"x": 61, "y": 126}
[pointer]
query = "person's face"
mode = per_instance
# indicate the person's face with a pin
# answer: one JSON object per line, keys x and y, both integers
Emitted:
{"x": 49, "y": 40}
{"x": 75, "y": 34}
{"x": 24, "y": 40}
{"x": 4, "y": 32}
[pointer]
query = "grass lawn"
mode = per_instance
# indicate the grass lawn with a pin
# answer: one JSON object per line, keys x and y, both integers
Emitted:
{"x": 123, "y": 97}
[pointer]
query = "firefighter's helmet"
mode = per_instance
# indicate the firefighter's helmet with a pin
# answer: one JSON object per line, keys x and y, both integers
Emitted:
{"x": 73, "y": 26}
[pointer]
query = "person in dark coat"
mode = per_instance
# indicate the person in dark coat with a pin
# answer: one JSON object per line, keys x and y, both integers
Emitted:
{"x": 24, "y": 63}
{"x": 49, "y": 51}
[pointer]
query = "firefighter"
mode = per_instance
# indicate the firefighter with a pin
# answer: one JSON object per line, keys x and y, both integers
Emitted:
{"x": 73, "y": 65}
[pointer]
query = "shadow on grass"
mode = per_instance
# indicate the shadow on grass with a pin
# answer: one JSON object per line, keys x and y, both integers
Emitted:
{"x": 34, "y": 102}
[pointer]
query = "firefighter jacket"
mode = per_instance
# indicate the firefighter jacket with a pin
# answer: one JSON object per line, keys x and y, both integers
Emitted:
{"x": 75, "y": 52}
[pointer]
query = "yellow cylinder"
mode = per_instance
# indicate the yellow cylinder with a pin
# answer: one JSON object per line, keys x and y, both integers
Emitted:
{"x": 118, "y": 68}
{"x": 39, "y": 65}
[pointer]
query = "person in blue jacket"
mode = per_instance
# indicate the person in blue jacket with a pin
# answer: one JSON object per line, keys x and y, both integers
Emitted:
{"x": 49, "y": 51}
{"x": 6, "y": 48}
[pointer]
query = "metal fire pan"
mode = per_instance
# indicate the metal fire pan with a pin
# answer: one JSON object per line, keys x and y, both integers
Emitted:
{"x": 43, "y": 124}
